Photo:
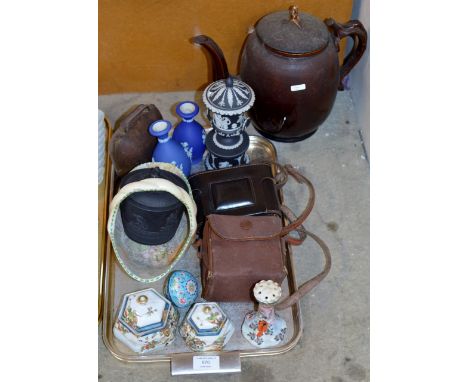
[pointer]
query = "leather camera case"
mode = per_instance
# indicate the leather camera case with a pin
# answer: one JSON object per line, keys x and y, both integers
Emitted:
{"x": 240, "y": 190}
{"x": 238, "y": 251}
{"x": 131, "y": 143}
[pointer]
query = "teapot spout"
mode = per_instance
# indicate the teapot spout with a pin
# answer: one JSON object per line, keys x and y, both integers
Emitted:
{"x": 218, "y": 62}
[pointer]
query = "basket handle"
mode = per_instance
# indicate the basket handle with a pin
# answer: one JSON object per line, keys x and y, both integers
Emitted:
{"x": 153, "y": 184}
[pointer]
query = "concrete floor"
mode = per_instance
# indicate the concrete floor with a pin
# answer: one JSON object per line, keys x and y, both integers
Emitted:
{"x": 335, "y": 343}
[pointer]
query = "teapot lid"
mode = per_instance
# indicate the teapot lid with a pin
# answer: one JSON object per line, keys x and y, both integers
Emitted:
{"x": 229, "y": 96}
{"x": 291, "y": 33}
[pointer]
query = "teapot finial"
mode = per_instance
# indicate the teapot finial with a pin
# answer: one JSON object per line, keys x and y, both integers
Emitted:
{"x": 294, "y": 15}
{"x": 229, "y": 82}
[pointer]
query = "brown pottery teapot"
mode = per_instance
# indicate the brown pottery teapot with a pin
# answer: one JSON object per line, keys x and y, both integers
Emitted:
{"x": 291, "y": 62}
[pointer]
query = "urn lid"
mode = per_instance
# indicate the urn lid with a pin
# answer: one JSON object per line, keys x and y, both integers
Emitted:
{"x": 293, "y": 33}
{"x": 144, "y": 312}
{"x": 228, "y": 96}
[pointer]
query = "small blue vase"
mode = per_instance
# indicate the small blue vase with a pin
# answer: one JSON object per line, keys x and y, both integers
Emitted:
{"x": 189, "y": 133}
{"x": 168, "y": 150}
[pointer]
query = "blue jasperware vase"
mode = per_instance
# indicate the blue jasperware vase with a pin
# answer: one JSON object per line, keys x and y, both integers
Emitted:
{"x": 168, "y": 150}
{"x": 189, "y": 133}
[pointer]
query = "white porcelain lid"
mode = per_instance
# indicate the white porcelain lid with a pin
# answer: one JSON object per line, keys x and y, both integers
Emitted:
{"x": 207, "y": 318}
{"x": 144, "y": 311}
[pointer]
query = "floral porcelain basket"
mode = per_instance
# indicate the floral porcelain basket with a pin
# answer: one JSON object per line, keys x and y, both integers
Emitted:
{"x": 149, "y": 263}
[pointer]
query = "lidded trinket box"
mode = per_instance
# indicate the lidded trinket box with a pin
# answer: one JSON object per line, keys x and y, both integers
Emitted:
{"x": 206, "y": 327}
{"x": 146, "y": 321}
{"x": 227, "y": 102}
{"x": 181, "y": 288}
{"x": 265, "y": 328}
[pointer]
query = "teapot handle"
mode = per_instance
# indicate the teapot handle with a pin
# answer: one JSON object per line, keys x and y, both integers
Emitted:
{"x": 356, "y": 30}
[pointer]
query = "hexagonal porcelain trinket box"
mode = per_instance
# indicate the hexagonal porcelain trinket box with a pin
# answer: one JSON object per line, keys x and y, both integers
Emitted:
{"x": 206, "y": 327}
{"x": 146, "y": 321}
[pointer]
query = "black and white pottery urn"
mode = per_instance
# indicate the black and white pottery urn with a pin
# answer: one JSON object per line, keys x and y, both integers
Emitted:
{"x": 227, "y": 102}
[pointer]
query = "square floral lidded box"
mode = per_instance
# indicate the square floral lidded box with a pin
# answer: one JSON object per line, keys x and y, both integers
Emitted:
{"x": 146, "y": 321}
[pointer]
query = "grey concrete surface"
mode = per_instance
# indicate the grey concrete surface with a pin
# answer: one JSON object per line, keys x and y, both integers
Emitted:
{"x": 335, "y": 343}
{"x": 359, "y": 78}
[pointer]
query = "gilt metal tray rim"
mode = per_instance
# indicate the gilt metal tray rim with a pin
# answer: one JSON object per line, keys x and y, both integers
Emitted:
{"x": 103, "y": 234}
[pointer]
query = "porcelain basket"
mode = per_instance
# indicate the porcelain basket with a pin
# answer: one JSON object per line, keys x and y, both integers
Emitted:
{"x": 149, "y": 263}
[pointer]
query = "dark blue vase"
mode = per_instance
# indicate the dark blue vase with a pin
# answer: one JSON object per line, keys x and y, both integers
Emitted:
{"x": 168, "y": 150}
{"x": 189, "y": 133}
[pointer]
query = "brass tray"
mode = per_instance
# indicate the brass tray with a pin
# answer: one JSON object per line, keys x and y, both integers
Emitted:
{"x": 103, "y": 203}
{"x": 117, "y": 282}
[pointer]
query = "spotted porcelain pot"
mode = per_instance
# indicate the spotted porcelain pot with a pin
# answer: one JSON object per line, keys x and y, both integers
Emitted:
{"x": 146, "y": 321}
{"x": 265, "y": 328}
{"x": 206, "y": 327}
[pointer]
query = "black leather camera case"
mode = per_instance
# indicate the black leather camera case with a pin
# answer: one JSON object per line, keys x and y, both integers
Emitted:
{"x": 240, "y": 190}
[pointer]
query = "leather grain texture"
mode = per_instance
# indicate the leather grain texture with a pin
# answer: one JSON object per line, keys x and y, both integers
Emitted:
{"x": 238, "y": 228}
{"x": 241, "y": 190}
{"x": 239, "y": 251}
{"x": 131, "y": 143}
